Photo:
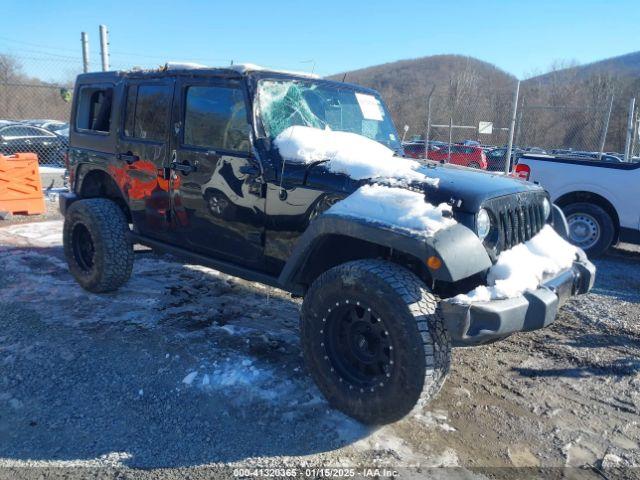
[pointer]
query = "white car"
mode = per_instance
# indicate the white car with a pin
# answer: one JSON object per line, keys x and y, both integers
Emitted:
{"x": 600, "y": 199}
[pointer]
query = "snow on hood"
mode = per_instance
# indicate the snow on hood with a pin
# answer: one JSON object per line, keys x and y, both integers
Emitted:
{"x": 348, "y": 153}
{"x": 396, "y": 207}
{"x": 523, "y": 268}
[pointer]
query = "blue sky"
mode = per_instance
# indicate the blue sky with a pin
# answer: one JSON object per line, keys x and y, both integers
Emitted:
{"x": 337, "y": 35}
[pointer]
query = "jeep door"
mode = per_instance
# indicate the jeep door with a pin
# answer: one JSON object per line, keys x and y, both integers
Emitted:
{"x": 143, "y": 155}
{"x": 217, "y": 187}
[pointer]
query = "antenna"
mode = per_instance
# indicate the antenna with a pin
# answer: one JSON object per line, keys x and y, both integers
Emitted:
{"x": 344, "y": 77}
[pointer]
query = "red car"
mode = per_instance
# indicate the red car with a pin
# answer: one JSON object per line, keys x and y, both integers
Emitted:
{"x": 464, "y": 155}
{"x": 467, "y": 156}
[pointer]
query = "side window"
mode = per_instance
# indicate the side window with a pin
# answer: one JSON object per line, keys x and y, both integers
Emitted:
{"x": 94, "y": 109}
{"x": 216, "y": 117}
{"x": 10, "y": 132}
{"x": 147, "y": 112}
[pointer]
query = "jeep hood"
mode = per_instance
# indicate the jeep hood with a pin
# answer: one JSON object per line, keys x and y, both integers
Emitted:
{"x": 470, "y": 188}
{"x": 367, "y": 161}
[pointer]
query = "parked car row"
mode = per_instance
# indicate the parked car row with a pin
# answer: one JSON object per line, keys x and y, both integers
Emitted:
{"x": 49, "y": 139}
{"x": 470, "y": 153}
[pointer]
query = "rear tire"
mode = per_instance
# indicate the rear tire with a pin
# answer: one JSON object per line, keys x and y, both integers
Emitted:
{"x": 474, "y": 165}
{"x": 374, "y": 340}
{"x": 590, "y": 227}
{"x": 98, "y": 252}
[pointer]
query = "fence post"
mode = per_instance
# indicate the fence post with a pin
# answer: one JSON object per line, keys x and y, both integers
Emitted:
{"x": 426, "y": 133}
{"x": 450, "y": 138}
{"x": 512, "y": 127}
{"x": 516, "y": 137}
{"x": 636, "y": 132}
{"x": 104, "y": 47}
{"x": 605, "y": 129}
{"x": 627, "y": 143}
{"x": 84, "y": 38}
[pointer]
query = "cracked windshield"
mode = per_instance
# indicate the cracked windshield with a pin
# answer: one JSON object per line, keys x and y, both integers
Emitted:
{"x": 283, "y": 104}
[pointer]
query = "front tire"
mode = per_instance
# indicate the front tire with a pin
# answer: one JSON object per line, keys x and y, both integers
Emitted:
{"x": 374, "y": 340}
{"x": 590, "y": 227}
{"x": 98, "y": 252}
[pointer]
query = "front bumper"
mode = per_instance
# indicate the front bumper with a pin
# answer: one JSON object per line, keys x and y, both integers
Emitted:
{"x": 485, "y": 322}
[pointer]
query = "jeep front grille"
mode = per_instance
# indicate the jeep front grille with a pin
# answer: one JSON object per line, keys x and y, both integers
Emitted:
{"x": 519, "y": 218}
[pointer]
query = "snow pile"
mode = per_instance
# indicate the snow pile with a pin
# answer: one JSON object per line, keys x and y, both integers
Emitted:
{"x": 348, "y": 153}
{"x": 524, "y": 267}
{"x": 396, "y": 207}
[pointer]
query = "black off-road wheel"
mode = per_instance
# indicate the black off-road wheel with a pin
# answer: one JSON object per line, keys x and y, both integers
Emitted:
{"x": 99, "y": 254}
{"x": 374, "y": 340}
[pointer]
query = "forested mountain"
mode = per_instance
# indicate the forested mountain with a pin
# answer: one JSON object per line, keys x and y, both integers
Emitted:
{"x": 564, "y": 107}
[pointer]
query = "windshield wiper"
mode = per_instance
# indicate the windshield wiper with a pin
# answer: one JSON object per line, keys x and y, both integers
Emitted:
{"x": 310, "y": 166}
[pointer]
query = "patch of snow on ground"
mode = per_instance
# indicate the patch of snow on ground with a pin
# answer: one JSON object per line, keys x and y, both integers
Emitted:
{"x": 523, "y": 267}
{"x": 59, "y": 170}
{"x": 41, "y": 234}
{"x": 242, "y": 374}
{"x": 397, "y": 207}
{"x": 435, "y": 419}
{"x": 348, "y": 153}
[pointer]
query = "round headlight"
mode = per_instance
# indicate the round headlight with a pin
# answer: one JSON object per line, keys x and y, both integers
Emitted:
{"x": 483, "y": 224}
{"x": 546, "y": 208}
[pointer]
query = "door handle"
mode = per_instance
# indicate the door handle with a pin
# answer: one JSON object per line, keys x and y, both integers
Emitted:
{"x": 128, "y": 157}
{"x": 183, "y": 167}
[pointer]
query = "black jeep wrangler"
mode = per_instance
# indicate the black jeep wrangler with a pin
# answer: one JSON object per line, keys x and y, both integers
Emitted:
{"x": 183, "y": 160}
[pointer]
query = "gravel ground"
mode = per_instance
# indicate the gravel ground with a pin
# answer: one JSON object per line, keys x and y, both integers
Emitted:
{"x": 189, "y": 372}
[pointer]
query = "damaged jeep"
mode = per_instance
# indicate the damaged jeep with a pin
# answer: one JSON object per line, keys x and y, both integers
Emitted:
{"x": 300, "y": 183}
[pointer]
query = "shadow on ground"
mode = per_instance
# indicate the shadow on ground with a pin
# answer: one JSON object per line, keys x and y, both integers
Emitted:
{"x": 88, "y": 375}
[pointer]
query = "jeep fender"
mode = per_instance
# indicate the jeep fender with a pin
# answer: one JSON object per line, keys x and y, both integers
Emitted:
{"x": 461, "y": 252}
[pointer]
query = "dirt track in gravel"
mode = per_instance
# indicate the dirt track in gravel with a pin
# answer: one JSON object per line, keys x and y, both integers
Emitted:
{"x": 197, "y": 368}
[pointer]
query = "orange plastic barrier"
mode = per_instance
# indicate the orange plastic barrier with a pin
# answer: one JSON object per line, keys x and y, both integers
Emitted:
{"x": 20, "y": 185}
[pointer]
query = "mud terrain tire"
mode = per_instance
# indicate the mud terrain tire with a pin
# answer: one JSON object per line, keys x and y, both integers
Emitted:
{"x": 96, "y": 246}
{"x": 374, "y": 340}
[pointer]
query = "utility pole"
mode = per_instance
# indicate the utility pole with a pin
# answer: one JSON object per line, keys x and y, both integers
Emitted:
{"x": 104, "y": 47}
{"x": 84, "y": 38}
{"x": 605, "y": 129}
{"x": 628, "y": 143}
{"x": 512, "y": 127}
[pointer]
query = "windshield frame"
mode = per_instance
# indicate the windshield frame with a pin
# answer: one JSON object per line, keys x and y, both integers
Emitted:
{"x": 256, "y": 77}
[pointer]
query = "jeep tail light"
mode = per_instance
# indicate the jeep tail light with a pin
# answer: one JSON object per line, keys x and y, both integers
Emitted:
{"x": 523, "y": 171}
{"x": 66, "y": 159}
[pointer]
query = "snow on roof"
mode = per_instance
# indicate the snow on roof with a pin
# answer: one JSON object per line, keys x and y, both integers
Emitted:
{"x": 241, "y": 68}
{"x": 250, "y": 67}
{"x": 349, "y": 153}
{"x": 183, "y": 65}
{"x": 523, "y": 267}
{"x": 395, "y": 207}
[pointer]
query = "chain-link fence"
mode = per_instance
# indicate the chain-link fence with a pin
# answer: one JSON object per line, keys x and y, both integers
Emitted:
{"x": 473, "y": 128}
{"x": 34, "y": 110}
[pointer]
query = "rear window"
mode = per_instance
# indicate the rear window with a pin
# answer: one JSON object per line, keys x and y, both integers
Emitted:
{"x": 94, "y": 109}
{"x": 148, "y": 109}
